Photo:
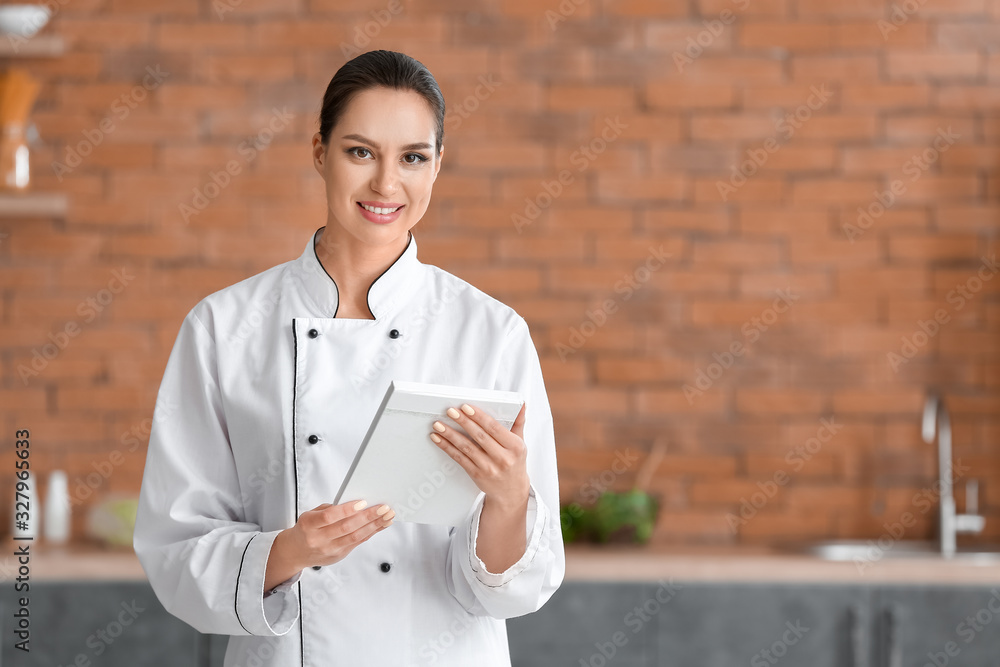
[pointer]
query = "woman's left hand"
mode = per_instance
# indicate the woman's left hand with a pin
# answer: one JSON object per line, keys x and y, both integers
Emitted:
{"x": 495, "y": 458}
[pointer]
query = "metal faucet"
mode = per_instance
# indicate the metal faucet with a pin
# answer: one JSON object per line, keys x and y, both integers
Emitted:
{"x": 936, "y": 421}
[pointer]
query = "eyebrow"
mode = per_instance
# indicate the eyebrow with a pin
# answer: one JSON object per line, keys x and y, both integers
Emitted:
{"x": 364, "y": 140}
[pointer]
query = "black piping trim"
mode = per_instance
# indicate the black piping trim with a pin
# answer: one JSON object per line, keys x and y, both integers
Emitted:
{"x": 295, "y": 463}
{"x": 368, "y": 293}
{"x": 316, "y": 254}
{"x": 236, "y": 597}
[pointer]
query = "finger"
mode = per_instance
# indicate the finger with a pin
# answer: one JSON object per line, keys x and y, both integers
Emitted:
{"x": 355, "y": 521}
{"x": 327, "y": 514}
{"x": 484, "y": 430}
{"x": 475, "y": 452}
{"x": 363, "y": 532}
{"x": 517, "y": 428}
{"x": 454, "y": 452}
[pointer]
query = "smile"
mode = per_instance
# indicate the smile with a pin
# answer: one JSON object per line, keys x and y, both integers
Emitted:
{"x": 379, "y": 211}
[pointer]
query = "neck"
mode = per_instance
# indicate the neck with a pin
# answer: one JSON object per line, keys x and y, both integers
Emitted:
{"x": 353, "y": 265}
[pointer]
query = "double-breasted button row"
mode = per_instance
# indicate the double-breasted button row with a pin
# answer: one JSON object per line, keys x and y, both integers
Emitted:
{"x": 385, "y": 567}
{"x": 313, "y": 333}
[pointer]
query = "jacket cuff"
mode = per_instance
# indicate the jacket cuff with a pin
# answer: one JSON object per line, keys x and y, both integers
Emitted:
{"x": 534, "y": 522}
{"x": 284, "y": 586}
{"x": 270, "y": 616}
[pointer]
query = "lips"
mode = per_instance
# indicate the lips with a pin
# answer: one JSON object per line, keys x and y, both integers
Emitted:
{"x": 380, "y": 218}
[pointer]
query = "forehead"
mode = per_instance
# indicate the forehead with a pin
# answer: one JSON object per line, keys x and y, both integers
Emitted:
{"x": 389, "y": 116}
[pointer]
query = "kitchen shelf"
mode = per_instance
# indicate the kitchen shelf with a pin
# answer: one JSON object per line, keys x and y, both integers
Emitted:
{"x": 39, "y": 46}
{"x": 32, "y": 205}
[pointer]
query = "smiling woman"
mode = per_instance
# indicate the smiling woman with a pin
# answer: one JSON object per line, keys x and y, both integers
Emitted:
{"x": 379, "y": 150}
{"x": 273, "y": 383}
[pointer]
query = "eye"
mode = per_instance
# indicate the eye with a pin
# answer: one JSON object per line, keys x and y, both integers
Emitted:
{"x": 420, "y": 158}
{"x": 357, "y": 148}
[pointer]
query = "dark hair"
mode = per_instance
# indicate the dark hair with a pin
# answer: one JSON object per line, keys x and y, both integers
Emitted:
{"x": 379, "y": 68}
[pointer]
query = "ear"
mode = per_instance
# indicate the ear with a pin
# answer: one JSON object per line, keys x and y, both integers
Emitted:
{"x": 437, "y": 167}
{"x": 318, "y": 153}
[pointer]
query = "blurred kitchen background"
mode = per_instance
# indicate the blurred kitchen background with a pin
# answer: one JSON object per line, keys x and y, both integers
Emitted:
{"x": 760, "y": 233}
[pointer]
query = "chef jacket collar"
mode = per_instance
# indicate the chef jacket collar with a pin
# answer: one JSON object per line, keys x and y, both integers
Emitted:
{"x": 389, "y": 290}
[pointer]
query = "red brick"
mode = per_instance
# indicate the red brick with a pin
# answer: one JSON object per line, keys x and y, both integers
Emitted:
{"x": 768, "y": 401}
{"x": 853, "y": 68}
{"x": 881, "y": 401}
{"x": 853, "y": 35}
{"x": 872, "y": 9}
{"x": 797, "y": 36}
{"x": 681, "y": 95}
{"x": 938, "y": 66}
{"x": 932, "y": 247}
{"x": 644, "y": 188}
{"x": 735, "y": 253}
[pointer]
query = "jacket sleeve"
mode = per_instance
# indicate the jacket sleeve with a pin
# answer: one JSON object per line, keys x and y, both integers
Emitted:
{"x": 527, "y": 584}
{"x": 204, "y": 560}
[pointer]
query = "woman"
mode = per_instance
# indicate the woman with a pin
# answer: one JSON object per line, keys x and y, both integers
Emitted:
{"x": 273, "y": 383}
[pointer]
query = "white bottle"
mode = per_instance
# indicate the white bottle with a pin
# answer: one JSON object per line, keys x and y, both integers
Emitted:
{"x": 26, "y": 503}
{"x": 57, "y": 509}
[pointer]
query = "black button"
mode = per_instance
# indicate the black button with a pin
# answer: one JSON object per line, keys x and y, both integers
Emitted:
{"x": 313, "y": 333}
{"x": 316, "y": 567}
{"x": 313, "y": 439}
{"x": 394, "y": 333}
{"x": 385, "y": 567}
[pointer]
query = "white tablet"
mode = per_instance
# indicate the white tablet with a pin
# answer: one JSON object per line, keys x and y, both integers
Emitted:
{"x": 400, "y": 466}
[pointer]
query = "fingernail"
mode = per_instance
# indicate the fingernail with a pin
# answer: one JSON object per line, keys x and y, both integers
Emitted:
{"x": 360, "y": 505}
{"x": 388, "y": 517}
{"x": 467, "y": 409}
{"x": 382, "y": 510}
{"x": 453, "y": 413}
{"x": 439, "y": 427}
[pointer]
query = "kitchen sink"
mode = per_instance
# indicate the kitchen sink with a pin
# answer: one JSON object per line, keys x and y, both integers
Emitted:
{"x": 875, "y": 550}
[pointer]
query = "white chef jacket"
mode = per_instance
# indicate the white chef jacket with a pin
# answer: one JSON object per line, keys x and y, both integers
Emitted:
{"x": 264, "y": 402}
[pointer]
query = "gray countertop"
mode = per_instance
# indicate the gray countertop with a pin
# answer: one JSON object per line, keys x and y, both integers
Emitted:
{"x": 589, "y": 562}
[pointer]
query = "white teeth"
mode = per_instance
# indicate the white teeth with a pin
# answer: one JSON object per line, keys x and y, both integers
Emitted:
{"x": 380, "y": 211}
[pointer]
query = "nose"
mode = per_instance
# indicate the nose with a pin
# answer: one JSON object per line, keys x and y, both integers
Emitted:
{"x": 386, "y": 178}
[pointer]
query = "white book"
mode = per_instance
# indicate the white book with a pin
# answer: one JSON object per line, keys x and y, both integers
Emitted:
{"x": 398, "y": 464}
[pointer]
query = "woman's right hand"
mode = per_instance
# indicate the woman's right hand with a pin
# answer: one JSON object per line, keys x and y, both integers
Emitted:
{"x": 323, "y": 535}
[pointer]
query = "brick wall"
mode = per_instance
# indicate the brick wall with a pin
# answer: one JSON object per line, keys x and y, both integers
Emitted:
{"x": 669, "y": 193}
